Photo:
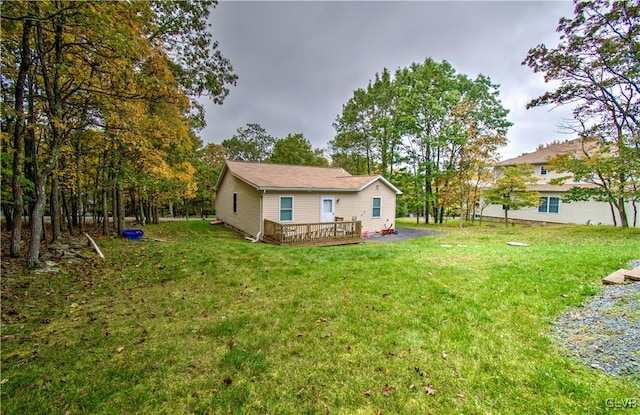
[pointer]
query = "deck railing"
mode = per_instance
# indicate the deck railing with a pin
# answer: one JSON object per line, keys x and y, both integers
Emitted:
{"x": 320, "y": 233}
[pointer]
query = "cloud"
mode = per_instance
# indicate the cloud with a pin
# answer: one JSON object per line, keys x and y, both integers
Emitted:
{"x": 299, "y": 62}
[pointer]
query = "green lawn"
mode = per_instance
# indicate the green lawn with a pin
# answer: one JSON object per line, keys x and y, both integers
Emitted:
{"x": 208, "y": 322}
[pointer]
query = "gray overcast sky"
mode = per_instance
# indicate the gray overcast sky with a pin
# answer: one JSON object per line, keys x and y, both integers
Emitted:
{"x": 299, "y": 62}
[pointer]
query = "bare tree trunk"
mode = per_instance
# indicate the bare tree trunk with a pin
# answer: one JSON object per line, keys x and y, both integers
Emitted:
{"x": 623, "y": 213}
{"x": 105, "y": 212}
{"x": 114, "y": 206}
{"x": 67, "y": 213}
{"x": 52, "y": 91}
{"x": 155, "y": 213}
{"x": 613, "y": 214}
{"x": 37, "y": 215}
{"x": 54, "y": 202}
{"x": 18, "y": 142}
{"x": 506, "y": 217}
{"x": 120, "y": 206}
{"x": 79, "y": 190}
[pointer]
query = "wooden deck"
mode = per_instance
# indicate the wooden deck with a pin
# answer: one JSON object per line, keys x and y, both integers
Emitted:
{"x": 313, "y": 234}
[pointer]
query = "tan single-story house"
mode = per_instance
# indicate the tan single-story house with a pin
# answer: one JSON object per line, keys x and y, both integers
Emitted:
{"x": 297, "y": 199}
{"x": 552, "y": 208}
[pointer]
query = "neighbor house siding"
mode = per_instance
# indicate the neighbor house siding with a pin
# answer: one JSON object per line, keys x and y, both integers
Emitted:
{"x": 574, "y": 212}
{"x": 542, "y": 178}
{"x": 247, "y": 217}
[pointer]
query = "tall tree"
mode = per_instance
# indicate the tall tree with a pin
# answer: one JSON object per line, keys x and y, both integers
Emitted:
{"x": 511, "y": 189}
{"x": 597, "y": 66}
{"x": 295, "y": 149}
{"x": 131, "y": 69}
{"x": 353, "y": 146}
{"x": 250, "y": 143}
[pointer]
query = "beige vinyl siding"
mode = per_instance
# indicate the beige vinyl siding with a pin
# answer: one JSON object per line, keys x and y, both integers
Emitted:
{"x": 247, "y": 218}
{"x": 360, "y": 205}
{"x": 306, "y": 206}
{"x": 349, "y": 205}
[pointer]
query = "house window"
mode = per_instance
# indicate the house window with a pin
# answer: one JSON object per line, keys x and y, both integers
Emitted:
{"x": 543, "y": 171}
{"x": 549, "y": 205}
{"x": 376, "y": 209}
{"x": 235, "y": 203}
{"x": 286, "y": 208}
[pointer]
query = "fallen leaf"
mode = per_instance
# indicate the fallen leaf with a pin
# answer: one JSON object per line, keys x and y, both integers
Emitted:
{"x": 228, "y": 381}
{"x": 387, "y": 389}
{"x": 322, "y": 320}
{"x": 429, "y": 390}
{"x": 120, "y": 349}
{"x": 367, "y": 392}
{"x": 418, "y": 371}
{"x": 443, "y": 355}
{"x": 231, "y": 344}
{"x": 3, "y": 381}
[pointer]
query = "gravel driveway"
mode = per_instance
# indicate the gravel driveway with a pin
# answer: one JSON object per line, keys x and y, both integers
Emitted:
{"x": 604, "y": 333}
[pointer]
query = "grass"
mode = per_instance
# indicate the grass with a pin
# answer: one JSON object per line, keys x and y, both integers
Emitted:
{"x": 208, "y": 322}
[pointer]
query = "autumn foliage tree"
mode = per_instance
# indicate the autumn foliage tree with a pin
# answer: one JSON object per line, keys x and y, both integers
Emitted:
{"x": 433, "y": 128}
{"x": 596, "y": 66}
{"x": 511, "y": 189}
{"x": 101, "y": 97}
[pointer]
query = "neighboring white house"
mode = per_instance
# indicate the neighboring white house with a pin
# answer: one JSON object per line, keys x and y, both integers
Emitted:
{"x": 552, "y": 208}
{"x": 247, "y": 194}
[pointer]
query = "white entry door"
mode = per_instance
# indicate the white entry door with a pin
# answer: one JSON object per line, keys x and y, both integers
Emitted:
{"x": 327, "y": 208}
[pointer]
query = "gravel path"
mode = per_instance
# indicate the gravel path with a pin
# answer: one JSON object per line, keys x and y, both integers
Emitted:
{"x": 605, "y": 332}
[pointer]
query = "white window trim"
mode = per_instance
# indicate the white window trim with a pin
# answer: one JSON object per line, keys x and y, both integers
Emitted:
{"x": 373, "y": 207}
{"x": 548, "y": 204}
{"x": 280, "y": 209}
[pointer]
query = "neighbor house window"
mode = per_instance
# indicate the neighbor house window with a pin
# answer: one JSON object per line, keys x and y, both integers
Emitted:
{"x": 376, "y": 209}
{"x": 286, "y": 208}
{"x": 543, "y": 171}
{"x": 549, "y": 205}
{"x": 235, "y": 203}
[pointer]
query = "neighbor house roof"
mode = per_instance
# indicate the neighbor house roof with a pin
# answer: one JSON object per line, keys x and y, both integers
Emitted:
{"x": 265, "y": 176}
{"x": 543, "y": 154}
{"x": 545, "y": 187}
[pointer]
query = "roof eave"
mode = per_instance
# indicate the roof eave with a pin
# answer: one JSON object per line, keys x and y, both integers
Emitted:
{"x": 385, "y": 181}
{"x": 306, "y": 189}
